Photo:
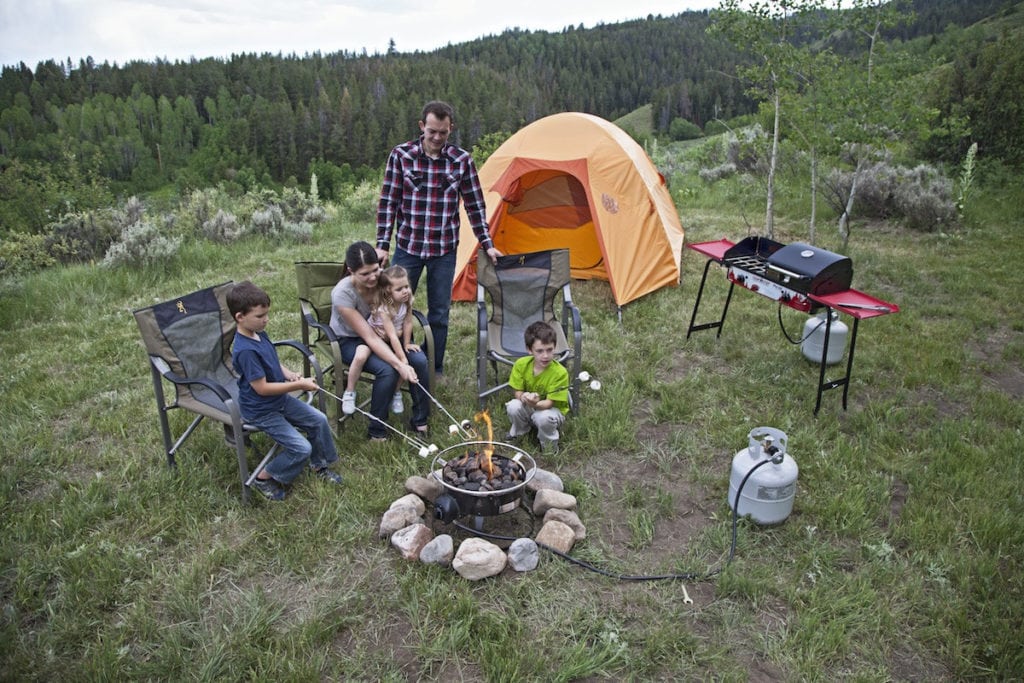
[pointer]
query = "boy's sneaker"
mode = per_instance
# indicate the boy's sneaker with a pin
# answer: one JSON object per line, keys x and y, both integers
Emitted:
{"x": 270, "y": 489}
{"x": 396, "y": 403}
{"x": 348, "y": 402}
{"x": 327, "y": 474}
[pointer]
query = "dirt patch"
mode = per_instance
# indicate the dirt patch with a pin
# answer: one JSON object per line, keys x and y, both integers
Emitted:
{"x": 999, "y": 372}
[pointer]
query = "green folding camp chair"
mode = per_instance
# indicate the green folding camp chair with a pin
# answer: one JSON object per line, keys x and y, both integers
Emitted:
{"x": 315, "y": 281}
{"x": 522, "y": 289}
{"x": 188, "y": 340}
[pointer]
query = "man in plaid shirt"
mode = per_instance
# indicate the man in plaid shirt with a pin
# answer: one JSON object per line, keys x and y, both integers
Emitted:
{"x": 419, "y": 202}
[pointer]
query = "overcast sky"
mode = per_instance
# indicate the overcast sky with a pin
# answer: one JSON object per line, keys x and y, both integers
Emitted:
{"x": 122, "y": 30}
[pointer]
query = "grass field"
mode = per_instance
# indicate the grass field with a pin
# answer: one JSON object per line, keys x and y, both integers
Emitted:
{"x": 903, "y": 558}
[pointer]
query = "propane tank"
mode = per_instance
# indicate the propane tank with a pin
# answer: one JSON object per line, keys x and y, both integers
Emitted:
{"x": 768, "y": 493}
{"x": 814, "y": 338}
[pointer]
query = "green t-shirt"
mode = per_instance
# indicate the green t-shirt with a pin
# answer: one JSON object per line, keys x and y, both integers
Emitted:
{"x": 553, "y": 383}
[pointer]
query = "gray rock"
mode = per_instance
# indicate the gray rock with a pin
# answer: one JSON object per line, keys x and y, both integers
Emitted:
{"x": 523, "y": 555}
{"x": 411, "y": 539}
{"x": 478, "y": 559}
{"x": 569, "y": 518}
{"x": 439, "y": 551}
{"x": 396, "y": 518}
{"x": 426, "y": 488}
{"x": 547, "y": 499}
{"x": 557, "y": 535}
{"x": 544, "y": 480}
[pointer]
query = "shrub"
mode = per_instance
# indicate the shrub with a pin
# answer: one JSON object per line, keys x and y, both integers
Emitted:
{"x": 300, "y": 231}
{"x": 82, "y": 237}
{"x": 223, "y": 227}
{"x": 359, "y": 203}
{"x": 681, "y": 129}
{"x": 315, "y": 214}
{"x": 199, "y": 207}
{"x": 268, "y": 221}
{"x": 921, "y": 196}
{"x": 23, "y": 253}
{"x": 141, "y": 244}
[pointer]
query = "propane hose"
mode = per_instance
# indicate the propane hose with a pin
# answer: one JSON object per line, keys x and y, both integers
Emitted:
{"x": 776, "y": 457}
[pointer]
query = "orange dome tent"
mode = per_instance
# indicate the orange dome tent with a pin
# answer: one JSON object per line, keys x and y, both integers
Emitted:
{"x": 577, "y": 181}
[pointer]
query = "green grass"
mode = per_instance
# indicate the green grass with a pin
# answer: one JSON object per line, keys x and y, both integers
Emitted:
{"x": 902, "y": 559}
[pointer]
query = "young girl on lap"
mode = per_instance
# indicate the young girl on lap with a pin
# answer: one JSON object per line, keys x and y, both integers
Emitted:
{"x": 391, "y": 319}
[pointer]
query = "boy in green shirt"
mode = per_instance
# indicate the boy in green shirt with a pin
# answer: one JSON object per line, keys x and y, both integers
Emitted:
{"x": 541, "y": 386}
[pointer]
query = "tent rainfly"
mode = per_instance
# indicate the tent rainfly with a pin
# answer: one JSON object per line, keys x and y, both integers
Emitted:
{"x": 577, "y": 181}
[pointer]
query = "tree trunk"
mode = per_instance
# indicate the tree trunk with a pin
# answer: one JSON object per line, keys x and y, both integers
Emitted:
{"x": 769, "y": 218}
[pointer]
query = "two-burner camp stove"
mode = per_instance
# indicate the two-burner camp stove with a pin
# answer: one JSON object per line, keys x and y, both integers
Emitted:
{"x": 797, "y": 275}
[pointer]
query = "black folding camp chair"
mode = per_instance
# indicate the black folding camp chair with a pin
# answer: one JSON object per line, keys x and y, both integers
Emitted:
{"x": 315, "y": 280}
{"x": 188, "y": 340}
{"x": 522, "y": 289}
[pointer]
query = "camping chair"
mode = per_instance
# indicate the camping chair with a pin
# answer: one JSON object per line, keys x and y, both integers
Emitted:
{"x": 189, "y": 345}
{"x": 524, "y": 288}
{"x": 316, "y": 279}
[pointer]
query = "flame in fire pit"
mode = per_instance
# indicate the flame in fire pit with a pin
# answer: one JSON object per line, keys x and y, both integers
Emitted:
{"x": 486, "y": 463}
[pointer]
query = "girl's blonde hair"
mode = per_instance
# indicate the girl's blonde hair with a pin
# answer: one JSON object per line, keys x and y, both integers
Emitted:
{"x": 384, "y": 282}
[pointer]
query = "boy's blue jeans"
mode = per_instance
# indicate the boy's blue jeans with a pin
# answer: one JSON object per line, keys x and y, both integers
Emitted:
{"x": 304, "y": 435}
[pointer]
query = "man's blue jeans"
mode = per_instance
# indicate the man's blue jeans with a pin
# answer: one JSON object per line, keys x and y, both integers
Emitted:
{"x": 287, "y": 427}
{"x": 440, "y": 276}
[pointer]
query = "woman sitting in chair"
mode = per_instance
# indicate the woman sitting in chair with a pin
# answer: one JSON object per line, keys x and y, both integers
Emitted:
{"x": 352, "y": 301}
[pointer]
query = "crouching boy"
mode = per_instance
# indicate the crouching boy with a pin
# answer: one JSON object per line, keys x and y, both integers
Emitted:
{"x": 265, "y": 402}
{"x": 541, "y": 386}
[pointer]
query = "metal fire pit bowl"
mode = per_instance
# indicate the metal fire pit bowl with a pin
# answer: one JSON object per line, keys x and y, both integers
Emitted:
{"x": 458, "y": 502}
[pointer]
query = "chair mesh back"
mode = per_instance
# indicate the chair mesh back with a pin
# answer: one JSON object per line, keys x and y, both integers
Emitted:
{"x": 315, "y": 280}
{"x": 522, "y": 288}
{"x": 193, "y": 335}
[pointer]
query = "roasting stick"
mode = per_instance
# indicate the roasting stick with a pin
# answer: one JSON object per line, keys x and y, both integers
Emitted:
{"x": 455, "y": 421}
{"x": 415, "y": 442}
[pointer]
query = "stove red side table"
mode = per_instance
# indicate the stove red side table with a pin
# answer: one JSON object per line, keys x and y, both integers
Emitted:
{"x": 854, "y": 303}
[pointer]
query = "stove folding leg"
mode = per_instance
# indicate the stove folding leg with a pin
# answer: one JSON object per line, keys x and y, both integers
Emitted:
{"x": 843, "y": 382}
{"x": 696, "y": 304}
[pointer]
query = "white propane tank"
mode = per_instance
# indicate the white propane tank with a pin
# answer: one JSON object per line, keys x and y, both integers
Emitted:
{"x": 814, "y": 338}
{"x": 768, "y": 494}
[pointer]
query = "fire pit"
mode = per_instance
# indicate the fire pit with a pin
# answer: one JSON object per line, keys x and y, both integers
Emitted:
{"x": 481, "y": 478}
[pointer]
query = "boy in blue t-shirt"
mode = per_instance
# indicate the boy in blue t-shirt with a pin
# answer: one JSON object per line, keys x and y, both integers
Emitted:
{"x": 265, "y": 402}
{"x": 541, "y": 386}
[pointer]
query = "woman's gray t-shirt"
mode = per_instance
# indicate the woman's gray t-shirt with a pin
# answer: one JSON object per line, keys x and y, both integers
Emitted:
{"x": 345, "y": 295}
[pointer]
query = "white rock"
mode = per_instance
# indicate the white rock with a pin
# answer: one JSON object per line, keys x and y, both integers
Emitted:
{"x": 478, "y": 559}
{"x": 396, "y": 518}
{"x": 547, "y": 499}
{"x": 453, "y": 429}
{"x": 439, "y": 551}
{"x": 424, "y": 452}
{"x": 411, "y": 539}
{"x": 557, "y": 535}
{"x": 584, "y": 376}
{"x": 413, "y": 501}
{"x": 595, "y": 385}
{"x": 570, "y": 519}
{"x": 523, "y": 555}
{"x": 427, "y": 488}
{"x": 543, "y": 479}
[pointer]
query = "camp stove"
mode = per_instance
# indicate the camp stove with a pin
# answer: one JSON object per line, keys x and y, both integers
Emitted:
{"x": 787, "y": 273}
{"x": 481, "y": 478}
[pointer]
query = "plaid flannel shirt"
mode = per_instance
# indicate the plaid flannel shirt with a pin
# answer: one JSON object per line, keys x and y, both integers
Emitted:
{"x": 419, "y": 200}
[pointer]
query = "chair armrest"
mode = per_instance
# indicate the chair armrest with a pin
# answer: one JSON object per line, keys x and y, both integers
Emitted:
{"x": 428, "y": 344}
{"x": 165, "y": 371}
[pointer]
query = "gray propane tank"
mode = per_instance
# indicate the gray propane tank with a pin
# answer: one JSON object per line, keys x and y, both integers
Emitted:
{"x": 813, "y": 343}
{"x": 768, "y": 493}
